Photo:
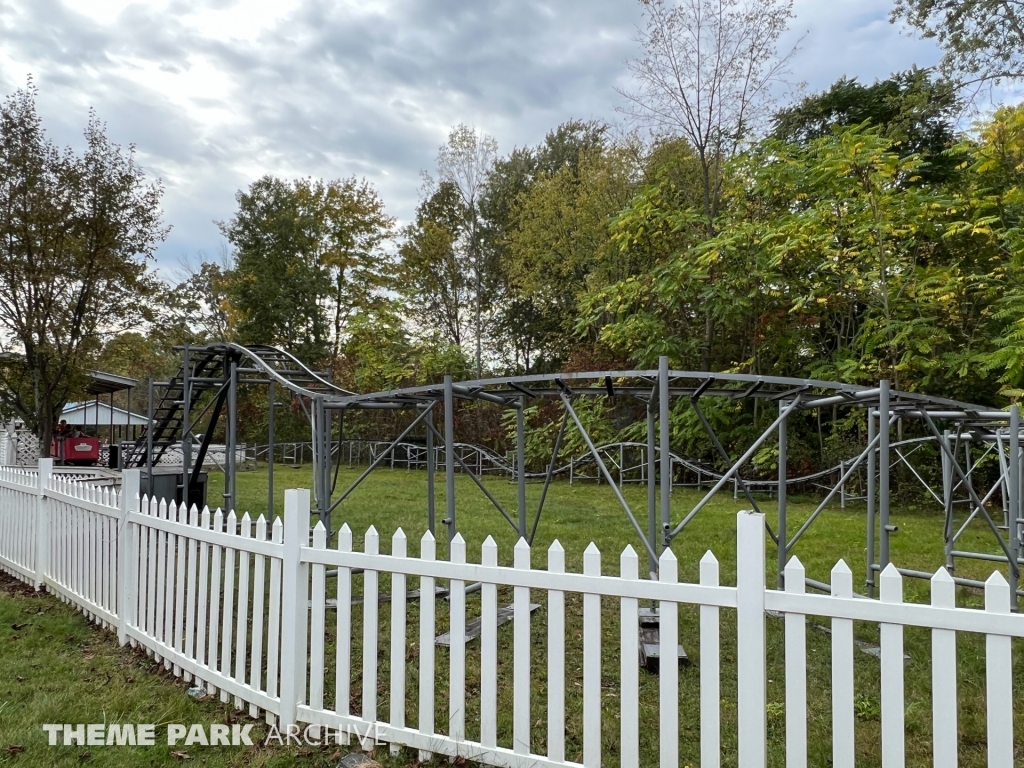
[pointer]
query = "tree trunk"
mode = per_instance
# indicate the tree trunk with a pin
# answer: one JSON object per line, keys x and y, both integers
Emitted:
{"x": 44, "y": 412}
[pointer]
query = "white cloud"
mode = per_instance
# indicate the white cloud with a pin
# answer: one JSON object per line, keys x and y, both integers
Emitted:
{"x": 218, "y": 92}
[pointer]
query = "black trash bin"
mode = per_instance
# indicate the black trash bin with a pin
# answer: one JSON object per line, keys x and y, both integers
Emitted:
{"x": 114, "y": 457}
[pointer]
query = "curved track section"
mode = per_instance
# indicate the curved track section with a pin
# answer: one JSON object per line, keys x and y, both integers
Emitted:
{"x": 210, "y": 368}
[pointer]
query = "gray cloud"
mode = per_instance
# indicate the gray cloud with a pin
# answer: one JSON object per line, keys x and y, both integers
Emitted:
{"x": 333, "y": 89}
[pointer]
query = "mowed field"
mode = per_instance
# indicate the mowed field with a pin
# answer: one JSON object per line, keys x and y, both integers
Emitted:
{"x": 61, "y": 670}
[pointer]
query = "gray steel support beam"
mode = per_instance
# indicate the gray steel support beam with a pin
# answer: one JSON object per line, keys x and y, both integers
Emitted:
{"x": 652, "y": 493}
{"x": 871, "y": 493}
{"x": 384, "y": 454}
{"x": 979, "y": 505}
{"x": 608, "y": 475}
{"x": 231, "y": 442}
{"x": 431, "y": 511}
{"x": 846, "y": 474}
{"x": 550, "y": 474}
{"x": 186, "y": 440}
{"x": 725, "y": 478}
{"x": 483, "y": 489}
{"x": 738, "y": 485}
{"x": 1015, "y": 498}
{"x": 521, "y": 465}
{"x": 947, "y": 501}
{"x": 271, "y": 409}
{"x": 783, "y": 548}
{"x": 666, "y": 455}
{"x": 149, "y": 441}
{"x": 883, "y": 474}
{"x": 449, "y": 456}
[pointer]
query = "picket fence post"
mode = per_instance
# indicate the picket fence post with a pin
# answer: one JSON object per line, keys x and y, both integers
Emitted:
{"x": 42, "y": 523}
{"x": 750, "y": 645}
{"x": 131, "y": 484}
{"x": 294, "y": 599}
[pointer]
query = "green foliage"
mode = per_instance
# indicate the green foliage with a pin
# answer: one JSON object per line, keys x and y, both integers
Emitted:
{"x": 982, "y": 40}
{"x": 912, "y": 109}
{"x": 308, "y": 256}
{"x": 76, "y": 233}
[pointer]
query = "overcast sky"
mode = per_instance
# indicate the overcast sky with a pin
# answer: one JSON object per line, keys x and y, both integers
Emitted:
{"x": 215, "y": 93}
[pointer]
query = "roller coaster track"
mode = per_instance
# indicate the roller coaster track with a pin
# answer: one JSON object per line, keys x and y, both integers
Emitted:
{"x": 209, "y": 368}
{"x": 486, "y": 461}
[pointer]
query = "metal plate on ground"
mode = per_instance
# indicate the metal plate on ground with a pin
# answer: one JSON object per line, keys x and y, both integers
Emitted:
{"x": 650, "y": 642}
{"x": 473, "y": 627}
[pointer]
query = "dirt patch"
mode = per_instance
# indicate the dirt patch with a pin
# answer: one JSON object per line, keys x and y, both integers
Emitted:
{"x": 15, "y": 588}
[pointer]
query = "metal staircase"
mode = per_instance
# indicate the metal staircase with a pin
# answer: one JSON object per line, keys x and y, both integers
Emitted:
{"x": 209, "y": 367}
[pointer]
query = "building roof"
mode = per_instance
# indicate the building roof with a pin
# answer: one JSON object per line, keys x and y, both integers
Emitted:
{"x": 92, "y": 413}
{"x": 101, "y": 383}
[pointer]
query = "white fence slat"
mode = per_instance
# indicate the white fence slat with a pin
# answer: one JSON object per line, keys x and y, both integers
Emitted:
{"x": 999, "y": 678}
{"x": 629, "y": 670}
{"x": 203, "y": 598}
{"x": 710, "y": 671}
{"x": 317, "y": 623}
{"x": 399, "y": 546}
{"x": 796, "y": 671}
{"x": 556, "y": 657}
{"x": 229, "y": 605}
{"x": 112, "y": 563}
{"x": 489, "y": 650}
{"x": 457, "y": 648}
{"x": 750, "y": 645}
{"x": 258, "y": 597}
{"x": 190, "y": 590}
{"x": 371, "y": 546}
{"x": 182, "y": 605}
{"x": 843, "y": 745}
{"x": 668, "y": 667}
{"x": 294, "y": 605}
{"x": 157, "y": 577}
{"x": 213, "y": 625}
{"x": 893, "y": 704}
{"x": 944, "y": 705}
{"x": 274, "y": 618}
{"x": 152, "y": 561}
{"x": 241, "y": 633}
{"x": 425, "y": 711}
{"x": 521, "y": 655}
{"x": 343, "y": 652}
{"x": 132, "y": 589}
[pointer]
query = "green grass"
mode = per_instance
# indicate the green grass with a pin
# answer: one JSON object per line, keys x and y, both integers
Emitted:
{"x": 56, "y": 667}
{"x": 58, "y": 683}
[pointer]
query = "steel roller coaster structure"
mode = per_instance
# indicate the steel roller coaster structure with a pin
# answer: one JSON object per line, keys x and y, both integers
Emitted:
{"x": 952, "y": 426}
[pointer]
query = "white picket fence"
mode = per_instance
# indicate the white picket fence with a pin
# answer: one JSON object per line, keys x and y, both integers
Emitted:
{"x": 228, "y": 602}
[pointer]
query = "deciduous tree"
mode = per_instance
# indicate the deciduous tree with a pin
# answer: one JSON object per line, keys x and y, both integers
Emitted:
{"x": 75, "y": 234}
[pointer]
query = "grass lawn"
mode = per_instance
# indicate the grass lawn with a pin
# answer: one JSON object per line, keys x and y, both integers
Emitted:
{"x": 62, "y": 670}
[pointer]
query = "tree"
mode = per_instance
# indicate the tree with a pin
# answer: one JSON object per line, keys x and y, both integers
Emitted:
{"x": 560, "y": 242}
{"x": 464, "y": 162}
{"x": 200, "y": 299}
{"x": 706, "y": 74}
{"x": 76, "y": 232}
{"x": 308, "y": 254}
{"x": 912, "y": 109}
{"x": 982, "y": 40}
{"x": 437, "y": 290}
{"x": 523, "y": 327}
